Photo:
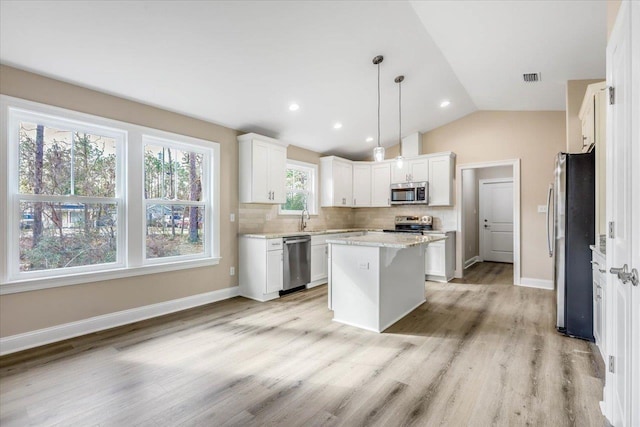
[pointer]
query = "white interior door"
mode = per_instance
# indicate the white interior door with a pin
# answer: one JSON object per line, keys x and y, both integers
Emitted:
{"x": 621, "y": 192}
{"x": 496, "y": 220}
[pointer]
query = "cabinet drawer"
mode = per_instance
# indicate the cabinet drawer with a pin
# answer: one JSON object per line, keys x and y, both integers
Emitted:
{"x": 274, "y": 244}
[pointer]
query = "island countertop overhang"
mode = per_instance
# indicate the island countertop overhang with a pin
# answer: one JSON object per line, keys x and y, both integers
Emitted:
{"x": 388, "y": 240}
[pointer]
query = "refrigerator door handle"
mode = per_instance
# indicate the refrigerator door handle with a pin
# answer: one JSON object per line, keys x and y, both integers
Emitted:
{"x": 549, "y": 198}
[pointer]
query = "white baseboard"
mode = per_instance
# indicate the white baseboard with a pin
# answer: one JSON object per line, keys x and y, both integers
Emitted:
{"x": 468, "y": 263}
{"x": 14, "y": 343}
{"x": 536, "y": 283}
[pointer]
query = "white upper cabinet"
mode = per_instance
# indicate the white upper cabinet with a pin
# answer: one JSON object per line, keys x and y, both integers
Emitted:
{"x": 418, "y": 169}
{"x": 380, "y": 182}
{"x": 412, "y": 170}
{"x": 441, "y": 179}
{"x": 262, "y": 168}
{"x": 361, "y": 184}
{"x": 336, "y": 182}
{"x": 399, "y": 174}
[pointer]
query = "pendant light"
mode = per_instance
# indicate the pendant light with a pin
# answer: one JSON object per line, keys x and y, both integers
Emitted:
{"x": 378, "y": 152}
{"x": 399, "y": 159}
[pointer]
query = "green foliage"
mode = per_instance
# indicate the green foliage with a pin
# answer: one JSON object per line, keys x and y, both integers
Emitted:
{"x": 67, "y": 251}
{"x": 295, "y": 202}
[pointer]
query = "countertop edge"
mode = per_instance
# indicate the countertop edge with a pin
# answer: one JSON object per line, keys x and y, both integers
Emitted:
{"x": 320, "y": 233}
{"x": 353, "y": 241}
{"x": 305, "y": 233}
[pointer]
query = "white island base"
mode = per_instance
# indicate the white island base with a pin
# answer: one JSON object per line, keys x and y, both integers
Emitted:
{"x": 372, "y": 287}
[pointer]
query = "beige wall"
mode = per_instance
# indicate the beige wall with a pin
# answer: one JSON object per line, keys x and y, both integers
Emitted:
{"x": 29, "y": 311}
{"x": 613, "y": 6}
{"x": 575, "y": 95}
{"x": 260, "y": 218}
{"x": 532, "y": 136}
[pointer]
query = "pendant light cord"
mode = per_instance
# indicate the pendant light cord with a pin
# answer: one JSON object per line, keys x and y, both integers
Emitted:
{"x": 378, "y": 104}
{"x": 400, "y": 113}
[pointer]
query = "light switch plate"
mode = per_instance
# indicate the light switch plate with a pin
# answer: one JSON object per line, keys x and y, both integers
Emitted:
{"x": 232, "y": 217}
{"x": 364, "y": 266}
{"x": 542, "y": 208}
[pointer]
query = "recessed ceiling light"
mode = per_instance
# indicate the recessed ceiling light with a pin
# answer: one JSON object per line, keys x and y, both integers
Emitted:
{"x": 294, "y": 107}
{"x": 338, "y": 125}
{"x": 445, "y": 103}
{"x": 369, "y": 139}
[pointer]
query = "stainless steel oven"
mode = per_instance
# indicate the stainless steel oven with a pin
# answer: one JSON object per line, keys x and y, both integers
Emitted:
{"x": 410, "y": 193}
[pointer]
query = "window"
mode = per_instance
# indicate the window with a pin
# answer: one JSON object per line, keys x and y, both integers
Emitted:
{"x": 74, "y": 212}
{"x": 175, "y": 202}
{"x": 301, "y": 187}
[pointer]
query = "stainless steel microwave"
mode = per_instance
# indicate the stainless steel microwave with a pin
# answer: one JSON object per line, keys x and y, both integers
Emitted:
{"x": 410, "y": 193}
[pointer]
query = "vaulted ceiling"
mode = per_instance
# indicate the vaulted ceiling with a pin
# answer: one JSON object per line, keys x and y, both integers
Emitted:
{"x": 241, "y": 64}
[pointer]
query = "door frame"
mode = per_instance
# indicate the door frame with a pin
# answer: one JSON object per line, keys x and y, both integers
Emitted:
{"x": 628, "y": 14}
{"x": 515, "y": 164}
{"x": 480, "y": 233}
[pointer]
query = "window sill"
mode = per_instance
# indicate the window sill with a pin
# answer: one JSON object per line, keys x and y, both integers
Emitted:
{"x": 16, "y": 286}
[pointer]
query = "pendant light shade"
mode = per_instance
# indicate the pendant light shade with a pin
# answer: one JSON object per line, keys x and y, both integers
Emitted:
{"x": 378, "y": 152}
{"x": 399, "y": 159}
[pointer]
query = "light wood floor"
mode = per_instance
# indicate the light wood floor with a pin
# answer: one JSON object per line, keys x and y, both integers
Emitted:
{"x": 473, "y": 354}
{"x": 488, "y": 273}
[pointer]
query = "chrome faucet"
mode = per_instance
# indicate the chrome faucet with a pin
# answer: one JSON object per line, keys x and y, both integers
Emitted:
{"x": 303, "y": 223}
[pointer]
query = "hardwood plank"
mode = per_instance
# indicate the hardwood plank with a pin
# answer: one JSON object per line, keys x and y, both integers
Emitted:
{"x": 478, "y": 352}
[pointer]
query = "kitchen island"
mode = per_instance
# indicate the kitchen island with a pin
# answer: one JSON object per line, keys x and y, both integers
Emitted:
{"x": 377, "y": 279}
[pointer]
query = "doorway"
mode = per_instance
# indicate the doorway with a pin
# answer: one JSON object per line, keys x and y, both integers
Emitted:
{"x": 488, "y": 191}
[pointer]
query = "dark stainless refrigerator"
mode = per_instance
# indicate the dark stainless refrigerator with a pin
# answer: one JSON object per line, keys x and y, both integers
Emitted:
{"x": 569, "y": 236}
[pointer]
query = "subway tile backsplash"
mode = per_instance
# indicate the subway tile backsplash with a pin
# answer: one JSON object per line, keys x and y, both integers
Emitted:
{"x": 258, "y": 218}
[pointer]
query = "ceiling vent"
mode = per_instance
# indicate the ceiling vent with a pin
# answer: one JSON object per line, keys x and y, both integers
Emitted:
{"x": 531, "y": 77}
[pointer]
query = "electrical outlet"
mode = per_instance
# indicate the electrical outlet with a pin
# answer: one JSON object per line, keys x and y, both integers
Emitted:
{"x": 364, "y": 266}
{"x": 232, "y": 271}
{"x": 232, "y": 217}
{"x": 268, "y": 217}
{"x": 542, "y": 208}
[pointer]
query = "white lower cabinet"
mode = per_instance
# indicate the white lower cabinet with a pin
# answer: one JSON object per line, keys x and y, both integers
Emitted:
{"x": 260, "y": 269}
{"x": 599, "y": 297}
{"x": 320, "y": 256}
{"x": 440, "y": 259}
{"x": 275, "y": 271}
{"x": 318, "y": 264}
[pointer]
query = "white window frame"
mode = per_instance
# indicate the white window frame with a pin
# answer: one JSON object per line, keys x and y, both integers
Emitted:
{"x": 129, "y": 196}
{"x": 312, "y": 207}
{"x": 204, "y": 202}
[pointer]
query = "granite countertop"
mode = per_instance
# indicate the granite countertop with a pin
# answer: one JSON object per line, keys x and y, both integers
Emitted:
{"x": 305, "y": 233}
{"x": 387, "y": 240}
{"x": 602, "y": 250}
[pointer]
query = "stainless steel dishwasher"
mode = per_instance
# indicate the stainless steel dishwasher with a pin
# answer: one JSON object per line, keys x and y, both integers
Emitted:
{"x": 297, "y": 263}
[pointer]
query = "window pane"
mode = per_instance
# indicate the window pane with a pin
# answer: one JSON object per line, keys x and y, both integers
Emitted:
{"x": 174, "y": 230}
{"x": 172, "y": 174}
{"x": 94, "y": 165}
{"x": 45, "y": 159}
{"x": 297, "y": 179}
{"x": 295, "y": 202}
{"x": 59, "y": 235}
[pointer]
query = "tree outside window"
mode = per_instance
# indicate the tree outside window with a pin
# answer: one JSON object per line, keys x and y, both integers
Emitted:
{"x": 68, "y": 209}
{"x": 301, "y": 188}
{"x": 175, "y": 210}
